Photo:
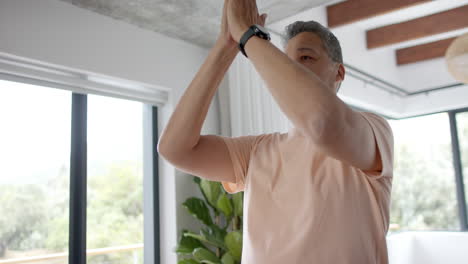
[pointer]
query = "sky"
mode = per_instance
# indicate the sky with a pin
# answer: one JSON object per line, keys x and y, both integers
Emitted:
{"x": 35, "y": 124}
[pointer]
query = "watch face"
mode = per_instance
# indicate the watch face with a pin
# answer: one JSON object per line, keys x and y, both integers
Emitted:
{"x": 262, "y": 28}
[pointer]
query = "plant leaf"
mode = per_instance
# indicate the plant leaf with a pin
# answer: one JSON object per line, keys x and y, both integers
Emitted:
{"x": 188, "y": 261}
{"x": 233, "y": 241}
{"x": 197, "y": 208}
{"x": 203, "y": 238}
{"x": 187, "y": 244}
{"x": 238, "y": 203}
{"x": 227, "y": 259}
{"x": 224, "y": 204}
{"x": 196, "y": 179}
{"x": 204, "y": 255}
{"x": 196, "y": 236}
{"x": 212, "y": 190}
{"x": 214, "y": 235}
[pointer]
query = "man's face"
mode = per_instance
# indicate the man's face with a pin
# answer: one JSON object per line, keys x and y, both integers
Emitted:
{"x": 307, "y": 49}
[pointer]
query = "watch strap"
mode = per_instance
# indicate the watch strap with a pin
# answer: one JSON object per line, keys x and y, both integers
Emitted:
{"x": 252, "y": 31}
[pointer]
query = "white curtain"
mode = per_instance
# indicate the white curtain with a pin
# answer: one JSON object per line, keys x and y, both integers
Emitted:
{"x": 252, "y": 108}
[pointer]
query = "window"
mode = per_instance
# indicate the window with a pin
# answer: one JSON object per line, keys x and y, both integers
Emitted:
{"x": 423, "y": 192}
{"x": 462, "y": 127}
{"x": 35, "y": 139}
{"x": 115, "y": 180}
{"x": 34, "y": 177}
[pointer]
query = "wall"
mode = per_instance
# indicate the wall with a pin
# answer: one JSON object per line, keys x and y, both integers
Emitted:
{"x": 59, "y": 33}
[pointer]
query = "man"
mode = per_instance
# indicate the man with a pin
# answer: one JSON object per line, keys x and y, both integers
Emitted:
{"x": 317, "y": 194}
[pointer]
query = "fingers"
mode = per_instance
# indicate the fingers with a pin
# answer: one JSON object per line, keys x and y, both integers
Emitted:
{"x": 226, "y": 2}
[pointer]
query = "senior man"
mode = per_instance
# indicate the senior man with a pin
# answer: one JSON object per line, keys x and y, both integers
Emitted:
{"x": 319, "y": 193}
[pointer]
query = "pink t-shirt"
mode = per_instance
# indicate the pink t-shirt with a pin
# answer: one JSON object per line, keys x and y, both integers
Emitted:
{"x": 301, "y": 206}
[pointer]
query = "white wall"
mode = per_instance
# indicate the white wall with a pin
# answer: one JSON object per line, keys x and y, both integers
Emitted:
{"x": 59, "y": 33}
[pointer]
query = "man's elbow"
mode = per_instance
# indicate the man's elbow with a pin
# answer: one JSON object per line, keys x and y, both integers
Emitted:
{"x": 171, "y": 154}
{"x": 160, "y": 148}
{"x": 165, "y": 151}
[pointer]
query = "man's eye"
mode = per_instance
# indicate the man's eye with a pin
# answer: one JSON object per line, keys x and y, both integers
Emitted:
{"x": 306, "y": 57}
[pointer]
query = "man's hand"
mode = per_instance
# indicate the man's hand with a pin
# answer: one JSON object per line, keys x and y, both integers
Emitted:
{"x": 241, "y": 15}
{"x": 225, "y": 37}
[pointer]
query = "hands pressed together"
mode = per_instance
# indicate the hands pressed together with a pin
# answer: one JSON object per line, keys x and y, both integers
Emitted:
{"x": 238, "y": 16}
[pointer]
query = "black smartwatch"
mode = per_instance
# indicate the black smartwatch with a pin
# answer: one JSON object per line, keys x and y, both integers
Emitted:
{"x": 254, "y": 30}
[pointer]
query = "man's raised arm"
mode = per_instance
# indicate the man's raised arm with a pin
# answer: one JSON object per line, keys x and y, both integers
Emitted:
{"x": 181, "y": 143}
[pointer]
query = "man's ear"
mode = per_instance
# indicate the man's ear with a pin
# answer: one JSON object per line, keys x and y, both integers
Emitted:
{"x": 340, "y": 73}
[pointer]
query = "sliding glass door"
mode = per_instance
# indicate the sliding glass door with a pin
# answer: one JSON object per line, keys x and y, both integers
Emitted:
{"x": 36, "y": 194}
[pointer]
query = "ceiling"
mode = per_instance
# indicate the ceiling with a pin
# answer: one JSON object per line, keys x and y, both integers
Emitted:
{"x": 195, "y": 21}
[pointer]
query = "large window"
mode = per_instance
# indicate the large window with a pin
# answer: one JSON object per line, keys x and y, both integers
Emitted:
{"x": 34, "y": 176}
{"x": 462, "y": 125}
{"x": 115, "y": 180}
{"x": 35, "y": 148}
{"x": 424, "y": 191}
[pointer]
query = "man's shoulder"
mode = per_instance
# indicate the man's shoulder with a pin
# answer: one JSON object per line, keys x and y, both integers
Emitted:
{"x": 376, "y": 120}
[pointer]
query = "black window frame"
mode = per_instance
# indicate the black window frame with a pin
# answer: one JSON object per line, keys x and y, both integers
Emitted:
{"x": 458, "y": 167}
{"x": 78, "y": 182}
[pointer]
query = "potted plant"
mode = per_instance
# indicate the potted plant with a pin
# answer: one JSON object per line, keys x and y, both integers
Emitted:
{"x": 220, "y": 239}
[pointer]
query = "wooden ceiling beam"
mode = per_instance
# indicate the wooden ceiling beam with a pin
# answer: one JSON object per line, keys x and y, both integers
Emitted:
{"x": 354, "y": 10}
{"x": 423, "y": 52}
{"x": 453, "y": 19}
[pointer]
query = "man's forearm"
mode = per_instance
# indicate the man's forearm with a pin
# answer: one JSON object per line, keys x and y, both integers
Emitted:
{"x": 301, "y": 95}
{"x": 184, "y": 127}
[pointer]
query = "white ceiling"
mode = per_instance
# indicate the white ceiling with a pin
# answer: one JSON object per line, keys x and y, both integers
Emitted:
{"x": 195, "y": 21}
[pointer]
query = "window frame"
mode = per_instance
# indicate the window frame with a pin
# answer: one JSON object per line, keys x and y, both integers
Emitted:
{"x": 78, "y": 182}
{"x": 458, "y": 167}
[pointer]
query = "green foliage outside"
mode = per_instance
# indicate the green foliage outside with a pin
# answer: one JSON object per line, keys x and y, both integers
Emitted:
{"x": 36, "y": 216}
{"x": 220, "y": 240}
{"x": 423, "y": 198}
{"x": 115, "y": 212}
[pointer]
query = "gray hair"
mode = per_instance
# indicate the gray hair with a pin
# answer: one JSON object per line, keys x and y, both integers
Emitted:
{"x": 329, "y": 41}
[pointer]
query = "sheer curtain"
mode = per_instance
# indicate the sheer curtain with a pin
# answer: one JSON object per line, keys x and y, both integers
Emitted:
{"x": 252, "y": 109}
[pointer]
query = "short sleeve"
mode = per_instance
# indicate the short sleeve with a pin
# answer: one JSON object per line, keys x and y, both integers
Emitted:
{"x": 240, "y": 149}
{"x": 383, "y": 136}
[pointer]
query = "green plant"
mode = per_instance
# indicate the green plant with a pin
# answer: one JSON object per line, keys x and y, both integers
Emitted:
{"x": 220, "y": 240}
